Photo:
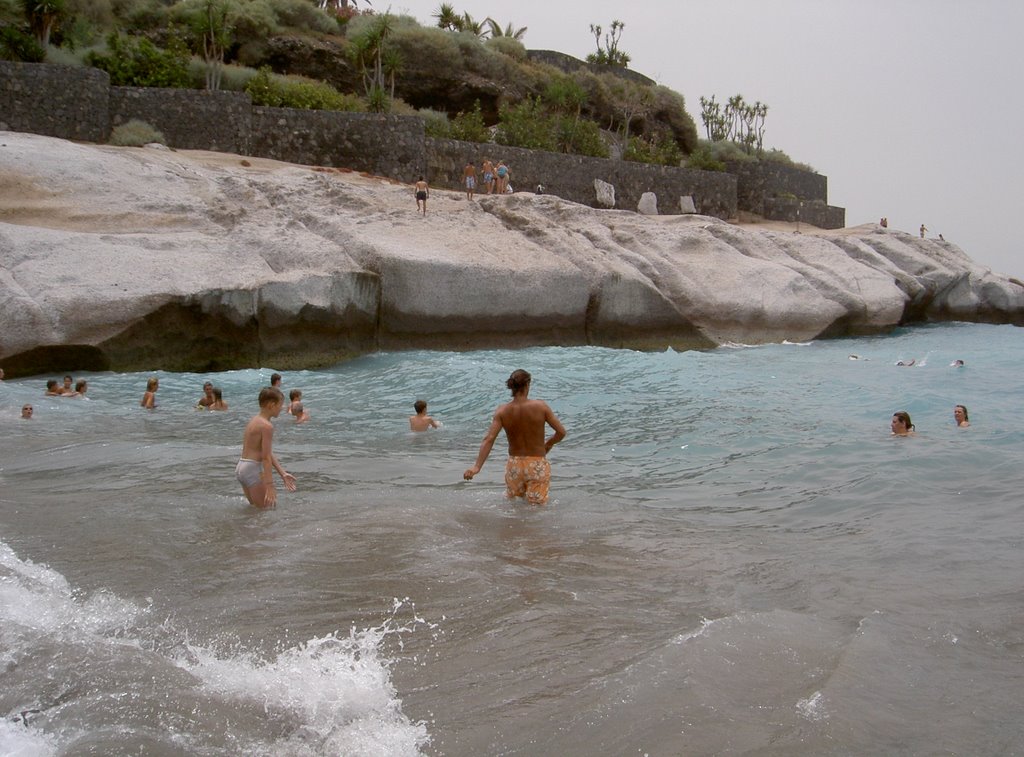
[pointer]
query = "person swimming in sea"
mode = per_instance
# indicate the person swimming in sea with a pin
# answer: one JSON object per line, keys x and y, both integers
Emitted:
{"x": 960, "y": 416}
{"x": 901, "y": 424}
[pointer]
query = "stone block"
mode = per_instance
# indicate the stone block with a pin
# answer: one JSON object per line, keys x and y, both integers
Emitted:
{"x": 605, "y": 194}
{"x": 686, "y": 205}
{"x": 648, "y": 204}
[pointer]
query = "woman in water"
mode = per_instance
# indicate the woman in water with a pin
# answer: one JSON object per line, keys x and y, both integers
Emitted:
{"x": 149, "y": 398}
{"x": 960, "y": 416}
{"x": 901, "y": 424}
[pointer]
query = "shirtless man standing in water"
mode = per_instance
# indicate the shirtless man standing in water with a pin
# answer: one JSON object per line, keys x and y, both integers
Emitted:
{"x": 528, "y": 472}
{"x": 254, "y": 470}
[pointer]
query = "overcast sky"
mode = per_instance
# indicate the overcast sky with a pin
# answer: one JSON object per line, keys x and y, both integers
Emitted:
{"x": 912, "y": 108}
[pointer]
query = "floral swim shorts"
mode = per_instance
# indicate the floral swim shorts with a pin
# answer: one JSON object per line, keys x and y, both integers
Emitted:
{"x": 528, "y": 477}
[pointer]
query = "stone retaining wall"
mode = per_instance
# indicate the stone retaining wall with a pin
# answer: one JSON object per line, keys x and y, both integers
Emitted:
{"x": 57, "y": 101}
{"x": 391, "y": 146}
{"x": 79, "y": 103}
{"x": 572, "y": 176}
{"x": 776, "y": 192}
{"x": 814, "y": 212}
{"x": 190, "y": 119}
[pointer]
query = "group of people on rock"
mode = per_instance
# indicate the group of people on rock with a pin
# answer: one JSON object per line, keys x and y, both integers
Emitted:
{"x": 495, "y": 178}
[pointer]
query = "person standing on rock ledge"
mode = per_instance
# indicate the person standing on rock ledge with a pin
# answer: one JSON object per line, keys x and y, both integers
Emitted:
{"x": 469, "y": 176}
{"x": 923, "y": 231}
{"x": 528, "y": 472}
{"x": 422, "y": 193}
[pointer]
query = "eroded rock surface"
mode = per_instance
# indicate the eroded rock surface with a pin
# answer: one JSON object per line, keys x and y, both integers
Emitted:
{"x": 132, "y": 259}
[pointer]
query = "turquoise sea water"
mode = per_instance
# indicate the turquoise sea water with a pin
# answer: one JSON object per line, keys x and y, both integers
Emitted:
{"x": 737, "y": 557}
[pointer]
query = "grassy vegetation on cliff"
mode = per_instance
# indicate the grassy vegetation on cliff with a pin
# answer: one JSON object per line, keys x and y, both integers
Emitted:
{"x": 291, "y": 53}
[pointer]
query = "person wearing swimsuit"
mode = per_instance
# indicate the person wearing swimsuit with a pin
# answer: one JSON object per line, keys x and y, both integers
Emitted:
{"x": 527, "y": 472}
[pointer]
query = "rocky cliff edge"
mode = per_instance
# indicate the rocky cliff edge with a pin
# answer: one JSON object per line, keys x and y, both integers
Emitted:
{"x": 142, "y": 258}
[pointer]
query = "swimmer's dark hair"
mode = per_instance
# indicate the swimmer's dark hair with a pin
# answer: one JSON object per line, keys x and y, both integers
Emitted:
{"x": 419, "y": 405}
{"x": 274, "y": 378}
{"x": 904, "y": 417}
{"x": 294, "y": 394}
{"x": 518, "y": 381}
{"x": 297, "y": 409}
{"x": 217, "y": 394}
{"x": 269, "y": 395}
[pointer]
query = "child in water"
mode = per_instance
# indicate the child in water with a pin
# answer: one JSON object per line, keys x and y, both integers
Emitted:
{"x": 257, "y": 463}
{"x": 149, "y": 398}
{"x": 218, "y": 399}
{"x": 421, "y": 421}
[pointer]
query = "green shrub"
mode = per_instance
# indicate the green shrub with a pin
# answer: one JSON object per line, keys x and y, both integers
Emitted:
{"x": 11, "y": 11}
{"x": 580, "y": 137}
{"x": 400, "y": 107}
{"x": 469, "y": 127}
{"x": 233, "y": 78}
{"x": 135, "y": 133}
{"x": 526, "y": 125}
{"x": 435, "y": 123}
{"x": 303, "y": 16}
{"x": 20, "y": 46}
{"x": 663, "y": 151}
{"x": 99, "y": 13}
{"x": 724, "y": 150}
{"x": 266, "y": 88}
{"x": 137, "y": 62}
{"x": 433, "y": 51}
{"x": 140, "y": 15}
{"x": 703, "y": 159}
{"x": 513, "y": 48}
{"x": 669, "y": 108}
{"x": 481, "y": 59}
{"x": 778, "y": 156}
{"x": 64, "y": 56}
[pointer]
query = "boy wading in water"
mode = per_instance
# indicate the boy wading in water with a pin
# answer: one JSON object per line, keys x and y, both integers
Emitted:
{"x": 255, "y": 468}
{"x": 528, "y": 472}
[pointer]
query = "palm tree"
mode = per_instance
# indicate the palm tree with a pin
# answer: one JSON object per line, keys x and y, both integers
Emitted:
{"x": 391, "y": 66}
{"x": 371, "y": 54}
{"x": 447, "y": 18}
{"x": 43, "y": 16}
{"x": 476, "y": 28}
{"x": 509, "y": 30}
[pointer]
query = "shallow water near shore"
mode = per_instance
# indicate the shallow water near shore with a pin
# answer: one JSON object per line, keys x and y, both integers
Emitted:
{"x": 737, "y": 557}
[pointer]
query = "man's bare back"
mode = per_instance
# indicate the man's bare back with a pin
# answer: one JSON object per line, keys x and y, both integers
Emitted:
{"x": 523, "y": 421}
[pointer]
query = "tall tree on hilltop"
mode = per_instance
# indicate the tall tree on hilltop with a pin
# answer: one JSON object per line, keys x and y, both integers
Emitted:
{"x": 609, "y": 54}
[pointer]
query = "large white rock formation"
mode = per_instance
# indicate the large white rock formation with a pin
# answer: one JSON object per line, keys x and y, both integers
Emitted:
{"x": 136, "y": 259}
